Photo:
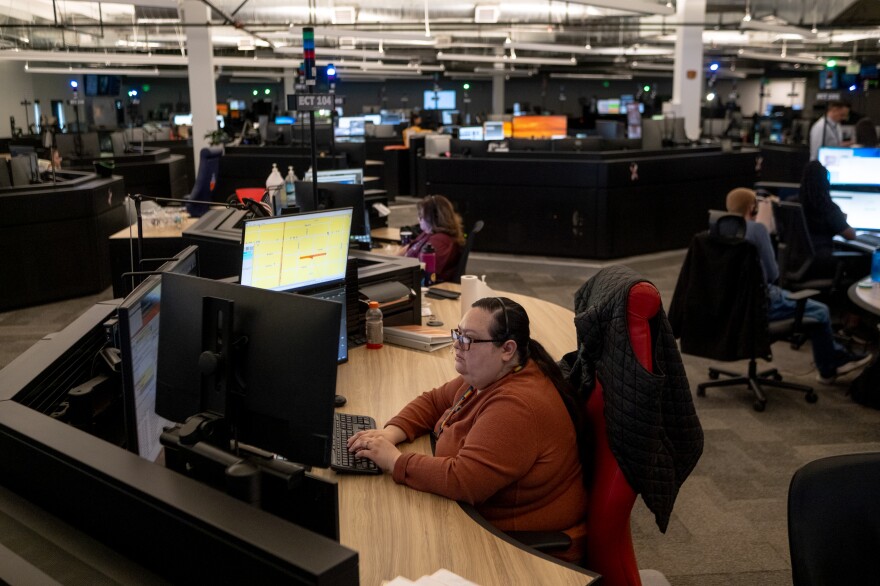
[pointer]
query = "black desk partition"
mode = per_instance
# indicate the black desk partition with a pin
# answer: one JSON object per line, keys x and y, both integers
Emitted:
{"x": 179, "y": 529}
{"x": 54, "y": 238}
{"x": 605, "y": 205}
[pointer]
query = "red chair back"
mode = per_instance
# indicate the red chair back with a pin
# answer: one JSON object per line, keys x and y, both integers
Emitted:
{"x": 609, "y": 540}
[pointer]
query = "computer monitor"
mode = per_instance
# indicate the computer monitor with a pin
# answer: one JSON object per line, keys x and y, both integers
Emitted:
{"x": 347, "y": 176}
{"x": 852, "y": 166}
{"x": 237, "y": 105}
{"x": 540, "y": 127}
{"x": 439, "y": 100}
{"x": 375, "y": 119}
{"x": 862, "y": 208}
{"x": 493, "y": 130}
{"x": 282, "y": 120}
{"x": 529, "y": 144}
{"x": 449, "y": 117}
{"x": 472, "y": 133}
{"x": 609, "y": 128}
{"x": 609, "y": 106}
{"x": 337, "y": 195}
{"x": 264, "y": 361}
{"x": 139, "y": 318}
{"x": 296, "y": 251}
{"x": 281, "y": 134}
{"x": 437, "y": 145}
{"x": 304, "y": 253}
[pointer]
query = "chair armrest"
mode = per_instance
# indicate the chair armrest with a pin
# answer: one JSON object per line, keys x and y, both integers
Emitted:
{"x": 545, "y": 541}
{"x": 845, "y": 254}
{"x": 802, "y": 294}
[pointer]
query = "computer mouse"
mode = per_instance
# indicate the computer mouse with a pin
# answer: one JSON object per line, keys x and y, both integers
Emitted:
{"x": 339, "y": 401}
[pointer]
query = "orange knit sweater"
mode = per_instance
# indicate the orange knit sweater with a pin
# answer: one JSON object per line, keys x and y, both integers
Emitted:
{"x": 510, "y": 451}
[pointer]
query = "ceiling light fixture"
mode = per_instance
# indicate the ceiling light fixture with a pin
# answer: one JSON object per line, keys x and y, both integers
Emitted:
{"x": 152, "y": 72}
{"x": 638, "y": 6}
{"x": 441, "y": 56}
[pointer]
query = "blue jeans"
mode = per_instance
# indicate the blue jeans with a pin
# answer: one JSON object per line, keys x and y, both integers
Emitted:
{"x": 827, "y": 354}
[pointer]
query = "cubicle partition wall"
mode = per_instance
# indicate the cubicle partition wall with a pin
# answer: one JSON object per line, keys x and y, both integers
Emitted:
{"x": 607, "y": 205}
{"x": 54, "y": 238}
{"x": 251, "y": 168}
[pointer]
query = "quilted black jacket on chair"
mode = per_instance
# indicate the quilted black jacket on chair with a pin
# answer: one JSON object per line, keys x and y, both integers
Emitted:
{"x": 653, "y": 429}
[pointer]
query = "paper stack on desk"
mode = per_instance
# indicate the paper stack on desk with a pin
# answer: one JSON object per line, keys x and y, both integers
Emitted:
{"x": 418, "y": 337}
{"x": 438, "y": 578}
{"x": 472, "y": 289}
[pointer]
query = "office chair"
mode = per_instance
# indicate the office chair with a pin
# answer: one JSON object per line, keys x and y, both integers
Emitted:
{"x": 834, "y": 521}
{"x": 117, "y": 140}
{"x": 466, "y": 251}
{"x": 797, "y": 259}
{"x": 610, "y": 549}
{"x": 719, "y": 309}
{"x": 203, "y": 190}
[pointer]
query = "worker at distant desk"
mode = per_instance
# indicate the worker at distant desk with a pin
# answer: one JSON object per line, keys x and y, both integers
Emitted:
{"x": 826, "y": 130}
{"x": 415, "y": 126}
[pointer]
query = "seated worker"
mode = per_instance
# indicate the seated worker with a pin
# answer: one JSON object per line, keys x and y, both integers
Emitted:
{"x": 415, "y": 126}
{"x": 504, "y": 429}
{"x": 832, "y": 360}
{"x": 441, "y": 227}
{"x": 825, "y": 220}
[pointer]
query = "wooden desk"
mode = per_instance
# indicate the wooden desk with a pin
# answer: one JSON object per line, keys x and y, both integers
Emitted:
{"x": 400, "y": 531}
{"x": 386, "y": 234}
{"x": 867, "y": 298}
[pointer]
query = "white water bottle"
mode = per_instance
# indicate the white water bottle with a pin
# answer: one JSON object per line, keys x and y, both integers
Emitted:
{"x": 375, "y": 333}
{"x": 275, "y": 187}
{"x": 289, "y": 187}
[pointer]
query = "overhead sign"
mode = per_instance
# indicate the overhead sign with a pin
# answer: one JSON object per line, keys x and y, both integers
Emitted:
{"x": 312, "y": 102}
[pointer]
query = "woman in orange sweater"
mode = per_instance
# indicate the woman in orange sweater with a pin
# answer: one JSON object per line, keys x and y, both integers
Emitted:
{"x": 505, "y": 432}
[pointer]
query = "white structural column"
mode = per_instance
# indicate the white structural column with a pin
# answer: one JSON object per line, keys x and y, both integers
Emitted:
{"x": 287, "y": 79}
{"x": 687, "y": 83}
{"x": 498, "y": 78}
{"x": 202, "y": 88}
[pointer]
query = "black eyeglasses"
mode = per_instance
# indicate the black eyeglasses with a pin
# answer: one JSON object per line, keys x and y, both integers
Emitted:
{"x": 464, "y": 342}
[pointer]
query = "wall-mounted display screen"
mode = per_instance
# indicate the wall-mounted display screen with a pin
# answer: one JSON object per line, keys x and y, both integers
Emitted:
{"x": 439, "y": 100}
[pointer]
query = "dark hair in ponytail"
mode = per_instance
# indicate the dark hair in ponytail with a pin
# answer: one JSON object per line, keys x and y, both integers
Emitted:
{"x": 511, "y": 322}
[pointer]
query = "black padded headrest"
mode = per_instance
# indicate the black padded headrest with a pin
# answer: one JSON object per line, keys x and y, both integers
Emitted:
{"x": 726, "y": 225}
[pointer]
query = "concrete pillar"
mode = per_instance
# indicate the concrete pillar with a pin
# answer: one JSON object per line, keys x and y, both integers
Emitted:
{"x": 287, "y": 80}
{"x": 687, "y": 83}
{"x": 498, "y": 86}
{"x": 202, "y": 87}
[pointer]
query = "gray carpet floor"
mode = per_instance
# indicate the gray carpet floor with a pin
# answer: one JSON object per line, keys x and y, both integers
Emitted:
{"x": 729, "y": 522}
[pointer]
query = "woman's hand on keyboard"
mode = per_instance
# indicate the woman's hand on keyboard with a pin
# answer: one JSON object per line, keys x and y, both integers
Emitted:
{"x": 378, "y": 445}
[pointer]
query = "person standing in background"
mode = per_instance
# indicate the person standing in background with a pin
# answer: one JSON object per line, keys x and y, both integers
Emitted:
{"x": 826, "y": 130}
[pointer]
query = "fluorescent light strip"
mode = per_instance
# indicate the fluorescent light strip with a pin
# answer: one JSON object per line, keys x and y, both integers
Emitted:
{"x": 359, "y": 53}
{"x": 441, "y": 56}
{"x": 591, "y": 76}
{"x": 772, "y": 27}
{"x": 809, "y": 60}
{"x": 367, "y": 66}
{"x": 387, "y": 37}
{"x": 582, "y": 50}
{"x": 639, "y": 6}
{"x": 154, "y": 72}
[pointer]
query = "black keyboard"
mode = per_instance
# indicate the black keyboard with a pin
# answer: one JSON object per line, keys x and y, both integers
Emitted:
{"x": 346, "y": 425}
{"x": 869, "y": 238}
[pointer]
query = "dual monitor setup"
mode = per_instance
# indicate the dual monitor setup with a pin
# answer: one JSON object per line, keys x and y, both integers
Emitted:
{"x": 231, "y": 377}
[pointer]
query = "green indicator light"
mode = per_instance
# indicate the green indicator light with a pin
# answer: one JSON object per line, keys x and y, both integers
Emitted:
{"x": 831, "y": 63}
{"x": 256, "y": 92}
{"x": 606, "y": 84}
{"x": 467, "y": 86}
{"x": 268, "y": 91}
{"x": 647, "y": 88}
